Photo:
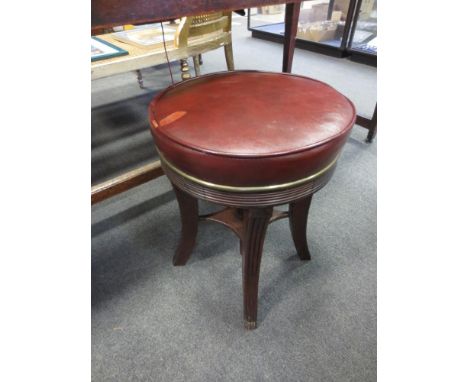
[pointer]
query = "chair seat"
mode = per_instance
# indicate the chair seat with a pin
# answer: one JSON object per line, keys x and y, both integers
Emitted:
{"x": 249, "y": 128}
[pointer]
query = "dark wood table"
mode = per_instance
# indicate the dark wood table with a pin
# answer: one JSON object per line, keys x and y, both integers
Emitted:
{"x": 110, "y": 13}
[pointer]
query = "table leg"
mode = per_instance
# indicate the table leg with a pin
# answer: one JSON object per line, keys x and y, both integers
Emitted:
{"x": 291, "y": 20}
{"x": 372, "y": 127}
{"x": 196, "y": 65}
{"x": 140, "y": 79}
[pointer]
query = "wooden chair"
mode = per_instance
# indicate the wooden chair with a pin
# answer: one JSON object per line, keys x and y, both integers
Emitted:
{"x": 199, "y": 31}
{"x": 202, "y": 25}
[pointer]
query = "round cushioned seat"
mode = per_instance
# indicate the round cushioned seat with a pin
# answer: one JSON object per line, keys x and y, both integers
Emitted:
{"x": 249, "y": 128}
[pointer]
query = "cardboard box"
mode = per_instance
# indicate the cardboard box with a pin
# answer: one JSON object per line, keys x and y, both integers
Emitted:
{"x": 317, "y": 31}
{"x": 317, "y": 12}
{"x": 342, "y": 5}
{"x": 366, "y": 8}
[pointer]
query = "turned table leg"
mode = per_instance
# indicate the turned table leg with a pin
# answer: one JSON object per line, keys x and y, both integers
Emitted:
{"x": 298, "y": 212}
{"x": 196, "y": 65}
{"x": 255, "y": 223}
{"x": 188, "y": 206}
{"x": 140, "y": 79}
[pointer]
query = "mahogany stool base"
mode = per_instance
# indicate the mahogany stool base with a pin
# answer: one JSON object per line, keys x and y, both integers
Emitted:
{"x": 250, "y": 225}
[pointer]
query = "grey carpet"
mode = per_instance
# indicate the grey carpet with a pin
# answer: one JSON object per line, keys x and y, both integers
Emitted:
{"x": 155, "y": 322}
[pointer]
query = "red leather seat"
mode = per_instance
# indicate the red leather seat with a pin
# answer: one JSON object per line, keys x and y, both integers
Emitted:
{"x": 250, "y": 128}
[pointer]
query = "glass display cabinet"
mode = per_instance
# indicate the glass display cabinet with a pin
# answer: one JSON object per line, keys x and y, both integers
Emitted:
{"x": 362, "y": 44}
{"x": 339, "y": 28}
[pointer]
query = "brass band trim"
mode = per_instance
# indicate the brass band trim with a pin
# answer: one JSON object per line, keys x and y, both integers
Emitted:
{"x": 272, "y": 187}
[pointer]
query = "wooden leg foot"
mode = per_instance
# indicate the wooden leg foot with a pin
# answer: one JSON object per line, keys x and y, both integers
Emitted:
{"x": 298, "y": 212}
{"x": 250, "y": 325}
{"x": 188, "y": 206}
{"x": 255, "y": 223}
{"x": 371, "y": 134}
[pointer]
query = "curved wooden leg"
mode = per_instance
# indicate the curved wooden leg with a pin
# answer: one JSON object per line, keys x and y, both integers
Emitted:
{"x": 188, "y": 206}
{"x": 196, "y": 64}
{"x": 229, "y": 56}
{"x": 298, "y": 212}
{"x": 255, "y": 223}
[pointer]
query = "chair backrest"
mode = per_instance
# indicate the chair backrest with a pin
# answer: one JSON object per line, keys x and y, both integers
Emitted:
{"x": 198, "y": 26}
